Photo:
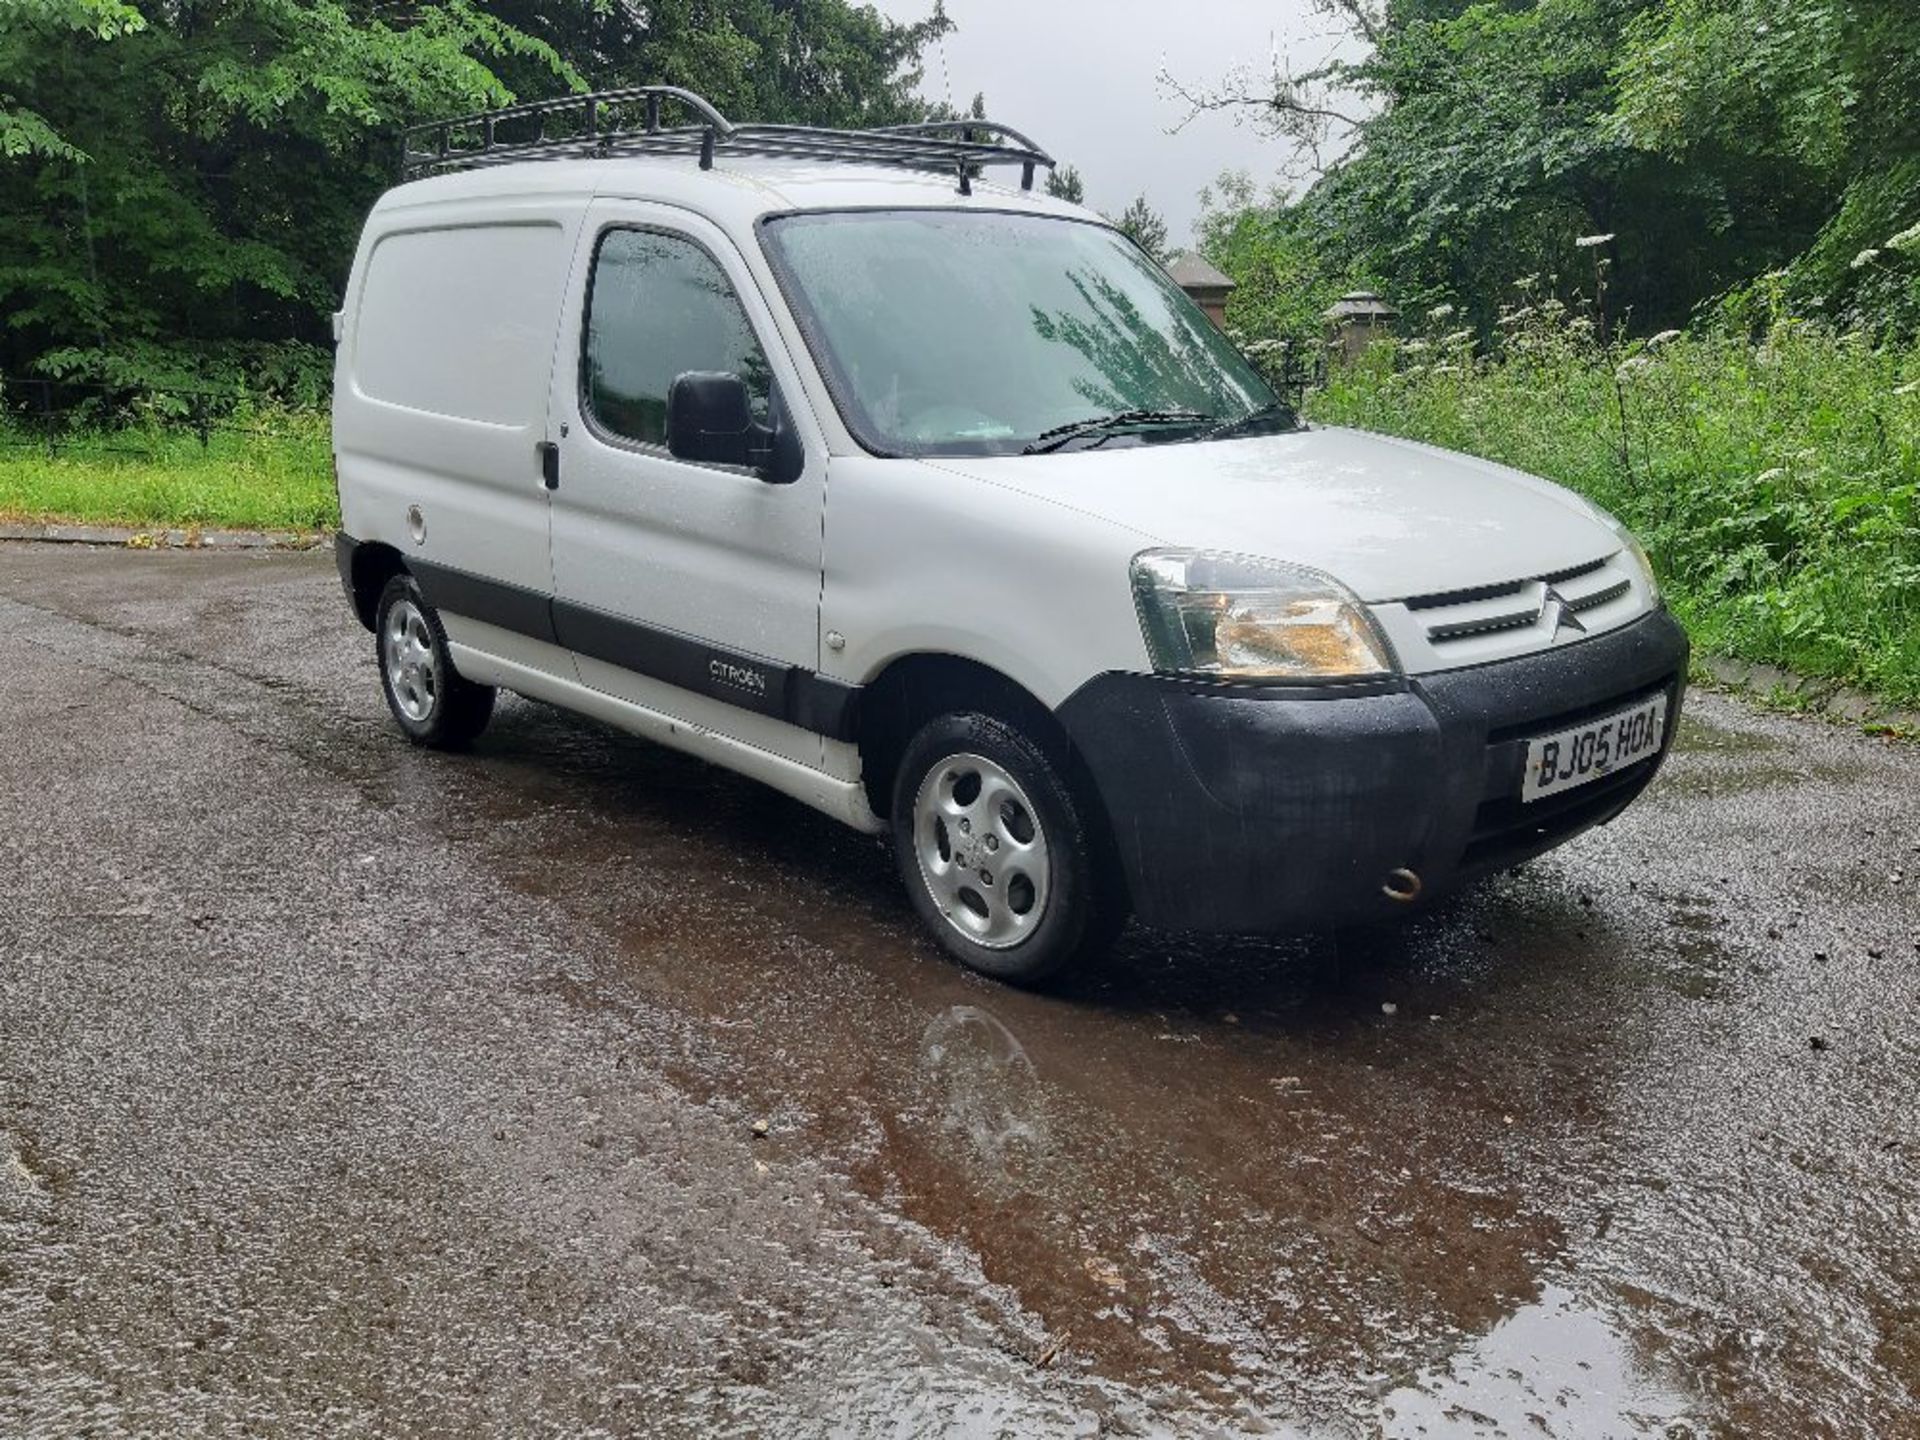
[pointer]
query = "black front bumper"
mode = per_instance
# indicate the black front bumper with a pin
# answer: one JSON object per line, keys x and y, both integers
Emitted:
{"x": 1277, "y": 810}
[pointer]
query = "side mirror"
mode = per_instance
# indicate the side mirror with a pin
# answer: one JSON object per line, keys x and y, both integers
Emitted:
{"x": 710, "y": 422}
{"x": 710, "y": 419}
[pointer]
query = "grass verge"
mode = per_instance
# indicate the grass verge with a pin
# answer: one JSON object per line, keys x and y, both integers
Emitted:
{"x": 267, "y": 473}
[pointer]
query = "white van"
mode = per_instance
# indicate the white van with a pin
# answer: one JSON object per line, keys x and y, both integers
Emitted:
{"x": 932, "y": 503}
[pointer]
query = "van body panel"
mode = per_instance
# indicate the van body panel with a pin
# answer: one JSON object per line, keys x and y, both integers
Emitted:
{"x": 440, "y": 382}
{"x": 924, "y": 561}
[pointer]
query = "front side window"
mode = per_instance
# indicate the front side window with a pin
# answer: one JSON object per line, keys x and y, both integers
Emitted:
{"x": 659, "y": 307}
{"x": 946, "y": 332}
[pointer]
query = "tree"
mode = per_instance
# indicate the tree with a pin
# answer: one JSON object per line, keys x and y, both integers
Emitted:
{"x": 1064, "y": 184}
{"x": 1815, "y": 97}
{"x": 1475, "y": 146}
{"x": 181, "y": 186}
{"x": 23, "y": 131}
{"x": 1282, "y": 282}
{"x": 1141, "y": 223}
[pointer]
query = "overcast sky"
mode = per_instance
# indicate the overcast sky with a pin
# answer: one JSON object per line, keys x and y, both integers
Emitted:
{"x": 1078, "y": 76}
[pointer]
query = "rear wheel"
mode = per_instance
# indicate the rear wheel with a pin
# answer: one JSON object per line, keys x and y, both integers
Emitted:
{"x": 432, "y": 702}
{"x": 996, "y": 854}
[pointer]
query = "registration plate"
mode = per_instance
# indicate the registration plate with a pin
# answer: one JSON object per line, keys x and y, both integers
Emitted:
{"x": 1596, "y": 749}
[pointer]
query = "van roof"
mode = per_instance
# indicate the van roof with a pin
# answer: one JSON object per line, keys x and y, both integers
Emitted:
{"x": 736, "y": 191}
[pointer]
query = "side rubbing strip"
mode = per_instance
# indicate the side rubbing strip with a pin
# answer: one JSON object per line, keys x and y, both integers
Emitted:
{"x": 823, "y": 705}
{"x": 748, "y": 681}
{"x": 752, "y": 682}
{"x": 489, "y": 601}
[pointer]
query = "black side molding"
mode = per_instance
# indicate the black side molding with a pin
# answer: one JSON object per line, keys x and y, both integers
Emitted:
{"x": 492, "y": 602}
{"x": 786, "y": 692}
{"x": 748, "y": 681}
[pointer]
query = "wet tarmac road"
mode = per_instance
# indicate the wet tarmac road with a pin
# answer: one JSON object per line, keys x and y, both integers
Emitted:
{"x": 348, "y": 1089}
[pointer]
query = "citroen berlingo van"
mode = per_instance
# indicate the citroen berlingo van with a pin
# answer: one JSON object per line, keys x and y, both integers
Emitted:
{"x": 929, "y": 501}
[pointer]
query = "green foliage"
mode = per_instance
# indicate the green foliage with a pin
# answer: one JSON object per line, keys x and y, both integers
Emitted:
{"x": 263, "y": 469}
{"x": 1282, "y": 282}
{"x": 1714, "y": 142}
{"x": 22, "y": 131}
{"x": 1818, "y": 97}
{"x": 1141, "y": 223}
{"x": 181, "y": 186}
{"x": 1489, "y": 157}
{"x": 1777, "y": 485}
{"x": 1065, "y": 184}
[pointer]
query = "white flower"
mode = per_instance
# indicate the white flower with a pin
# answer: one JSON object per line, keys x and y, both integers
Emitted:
{"x": 1665, "y": 337}
{"x": 1778, "y": 472}
{"x": 1440, "y": 312}
{"x": 1912, "y": 387}
{"x": 1457, "y": 337}
{"x": 1865, "y": 258}
{"x": 1907, "y": 242}
{"x": 1588, "y": 242}
{"x": 1416, "y": 347}
{"x": 1628, "y": 368}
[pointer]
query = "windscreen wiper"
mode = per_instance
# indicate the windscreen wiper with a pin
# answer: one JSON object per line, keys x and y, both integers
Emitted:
{"x": 1265, "y": 420}
{"x": 1059, "y": 435}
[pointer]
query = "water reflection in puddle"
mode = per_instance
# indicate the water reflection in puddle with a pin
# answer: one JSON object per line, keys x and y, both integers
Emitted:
{"x": 1553, "y": 1368}
{"x": 986, "y": 1093}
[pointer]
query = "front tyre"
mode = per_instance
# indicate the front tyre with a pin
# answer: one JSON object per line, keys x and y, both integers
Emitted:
{"x": 996, "y": 854}
{"x": 428, "y": 697}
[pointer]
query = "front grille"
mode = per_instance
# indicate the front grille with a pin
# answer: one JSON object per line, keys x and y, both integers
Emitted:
{"x": 1461, "y": 614}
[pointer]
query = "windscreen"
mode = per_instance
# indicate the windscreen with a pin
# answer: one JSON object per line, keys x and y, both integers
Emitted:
{"x": 969, "y": 333}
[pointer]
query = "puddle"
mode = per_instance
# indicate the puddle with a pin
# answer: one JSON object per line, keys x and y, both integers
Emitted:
{"x": 1723, "y": 761}
{"x": 1554, "y": 1369}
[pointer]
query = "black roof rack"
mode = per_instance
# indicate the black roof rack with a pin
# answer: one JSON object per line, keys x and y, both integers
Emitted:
{"x": 628, "y": 122}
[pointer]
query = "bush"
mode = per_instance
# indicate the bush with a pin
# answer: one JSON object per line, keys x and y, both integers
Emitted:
{"x": 255, "y": 469}
{"x": 1776, "y": 484}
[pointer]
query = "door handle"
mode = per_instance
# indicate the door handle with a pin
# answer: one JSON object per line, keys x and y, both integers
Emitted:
{"x": 549, "y": 454}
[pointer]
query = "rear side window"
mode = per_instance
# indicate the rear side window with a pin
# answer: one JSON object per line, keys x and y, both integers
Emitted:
{"x": 459, "y": 322}
{"x": 660, "y": 307}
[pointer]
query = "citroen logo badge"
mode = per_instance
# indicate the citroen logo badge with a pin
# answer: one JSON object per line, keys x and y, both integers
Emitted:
{"x": 1554, "y": 607}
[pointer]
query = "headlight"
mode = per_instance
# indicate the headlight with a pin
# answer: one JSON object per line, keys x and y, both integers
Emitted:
{"x": 1205, "y": 613}
{"x": 1638, "y": 553}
